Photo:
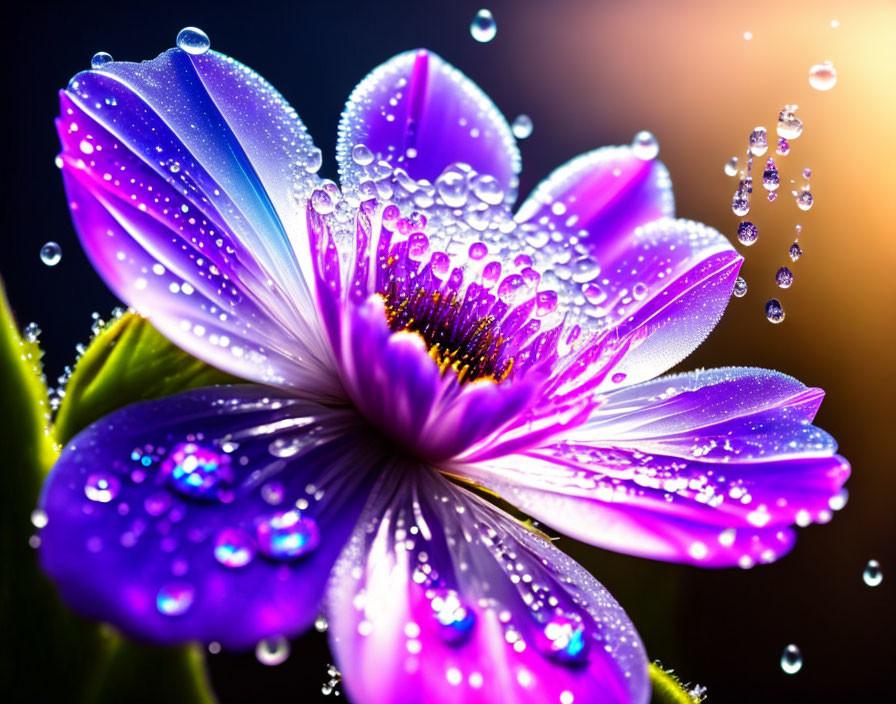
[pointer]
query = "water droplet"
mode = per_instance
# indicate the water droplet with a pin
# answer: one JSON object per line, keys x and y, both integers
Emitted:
{"x": 758, "y": 141}
{"x": 784, "y": 277}
{"x": 823, "y": 76}
{"x": 872, "y": 576}
{"x": 175, "y": 598}
{"x": 563, "y": 639}
{"x": 731, "y": 167}
{"x": 747, "y": 233}
{"x": 740, "y": 204}
{"x": 452, "y": 188}
{"x": 795, "y": 251}
{"x": 361, "y": 155}
{"x": 39, "y": 518}
{"x": 273, "y": 493}
{"x": 214, "y": 647}
{"x": 783, "y": 148}
{"x": 272, "y": 651}
{"x": 645, "y": 146}
{"x": 197, "y": 471}
{"x": 31, "y": 332}
{"x": 287, "y": 535}
{"x": 322, "y": 202}
{"x": 789, "y": 125}
{"x": 483, "y": 28}
{"x": 770, "y": 178}
{"x": 791, "y": 660}
{"x": 100, "y": 59}
{"x": 740, "y": 287}
{"x": 193, "y": 41}
{"x": 314, "y": 160}
{"x": 320, "y": 624}
{"x": 455, "y": 618}
{"x": 50, "y": 254}
{"x": 522, "y": 127}
{"x": 234, "y": 547}
{"x": 804, "y": 200}
{"x": 101, "y": 487}
{"x": 774, "y": 311}
{"x": 488, "y": 189}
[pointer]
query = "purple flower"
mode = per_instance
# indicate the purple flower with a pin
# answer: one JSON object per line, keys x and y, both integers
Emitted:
{"x": 402, "y": 330}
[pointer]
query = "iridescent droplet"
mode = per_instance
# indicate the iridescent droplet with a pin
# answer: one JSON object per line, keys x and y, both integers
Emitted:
{"x": 791, "y": 660}
{"x": 740, "y": 204}
{"x": 758, "y": 141}
{"x": 483, "y": 28}
{"x": 287, "y": 535}
{"x": 193, "y": 40}
{"x": 196, "y": 470}
{"x": 563, "y": 639}
{"x": 101, "y": 487}
{"x": 522, "y": 127}
{"x": 789, "y": 125}
{"x": 783, "y": 148}
{"x": 100, "y": 59}
{"x": 322, "y": 202}
{"x": 645, "y": 146}
{"x": 234, "y": 547}
{"x": 872, "y": 576}
{"x": 51, "y": 254}
{"x": 731, "y": 167}
{"x": 452, "y": 188}
{"x": 272, "y": 651}
{"x": 770, "y": 178}
{"x": 823, "y": 76}
{"x": 361, "y": 155}
{"x": 740, "y": 287}
{"x": 784, "y": 277}
{"x": 175, "y": 598}
{"x": 454, "y": 617}
{"x": 747, "y": 233}
{"x": 795, "y": 251}
{"x": 774, "y": 311}
{"x": 804, "y": 200}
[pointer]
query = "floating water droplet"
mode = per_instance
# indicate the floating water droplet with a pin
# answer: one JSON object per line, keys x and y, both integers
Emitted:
{"x": 784, "y": 277}
{"x": 50, "y": 254}
{"x": 39, "y": 518}
{"x": 193, "y": 41}
{"x": 804, "y": 200}
{"x": 287, "y": 535}
{"x": 789, "y": 125}
{"x": 563, "y": 639}
{"x": 795, "y": 251}
{"x": 214, "y": 647}
{"x": 791, "y": 660}
{"x": 483, "y": 28}
{"x": 740, "y": 287}
{"x": 783, "y": 148}
{"x": 234, "y": 547}
{"x": 758, "y": 141}
{"x": 197, "y": 471}
{"x": 645, "y": 146}
{"x": 175, "y": 598}
{"x": 774, "y": 311}
{"x": 747, "y": 233}
{"x": 823, "y": 76}
{"x": 455, "y": 618}
{"x": 731, "y": 167}
{"x": 100, "y": 59}
{"x": 740, "y": 204}
{"x": 361, "y": 155}
{"x": 101, "y": 487}
{"x": 272, "y": 651}
{"x": 770, "y": 178}
{"x": 872, "y": 576}
{"x": 522, "y": 127}
{"x": 320, "y": 624}
{"x": 273, "y": 493}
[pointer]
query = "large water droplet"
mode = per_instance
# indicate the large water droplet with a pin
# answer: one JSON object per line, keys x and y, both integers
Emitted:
{"x": 758, "y": 141}
{"x": 234, "y": 547}
{"x": 645, "y": 146}
{"x": 287, "y": 535}
{"x": 488, "y": 189}
{"x": 322, "y": 202}
{"x": 361, "y": 155}
{"x": 272, "y": 651}
{"x": 791, "y": 660}
{"x": 872, "y": 576}
{"x": 563, "y": 639}
{"x": 522, "y": 127}
{"x": 100, "y": 59}
{"x": 823, "y": 76}
{"x": 784, "y": 277}
{"x": 50, "y": 254}
{"x": 740, "y": 204}
{"x": 747, "y": 233}
{"x": 175, "y": 598}
{"x": 193, "y": 40}
{"x": 789, "y": 125}
{"x": 197, "y": 471}
{"x": 731, "y": 167}
{"x": 804, "y": 200}
{"x": 101, "y": 487}
{"x": 774, "y": 311}
{"x": 740, "y": 287}
{"x": 455, "y": 618}
{"x": 483, "y": 28}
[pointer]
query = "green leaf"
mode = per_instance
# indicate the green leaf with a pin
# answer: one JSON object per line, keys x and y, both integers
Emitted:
{"x": 128, "y": 361}
{"x": 668, "y": 689}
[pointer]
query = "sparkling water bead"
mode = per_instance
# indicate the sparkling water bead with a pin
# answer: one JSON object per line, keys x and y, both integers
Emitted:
{"x": 645, "y": 146}
{"x": 731, "y": 167}
{"x": 100, "y": 59}
{"x": 193, "y": 41}
{"x": 783, "y": 148}
{"x": 483, "y": 28}
{"x": 823, "y": 76}
{"x": 101, "y": 487}
{"x": 791, "y": 660}
{"x": 272, "y": 651}
{"x": 770, "y": 178}
{"x": 740, "y": 287}
{"x": 747, "y": 233}
{"x": 740, "y": 204}
{"x": 175, "y": 598}
{"x": 795, "y": 251}
{"x": 234, "y": 548}
{"x": 361, "y": 155}
{"x": 287, "y": 535}
{"x": 784, "y": 277}
{"x": 455, "y": 618}
{"x": 196, "y": 470}
{"x": 872, "y": 576}
{"x": 789, "y": 125}
{"x": 804, "y": 200}
{"x": 758, "y": 141}
{"x": 774, "y": 311}
{"x": 563, "y": 639}
{"x": 522, "y": 126}
{"x": 51, "y": 254}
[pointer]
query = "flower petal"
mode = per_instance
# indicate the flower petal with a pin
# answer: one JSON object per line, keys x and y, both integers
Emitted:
{"x": 212, "y": 515}
{"x": 710, "y": 468}
{"x": 180, "y": 173}
{"x": 420, "y": 114}
{"x": 439, "y": 596}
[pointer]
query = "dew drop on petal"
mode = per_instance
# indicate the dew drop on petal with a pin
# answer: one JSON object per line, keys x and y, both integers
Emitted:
{"x": 747, "y": 233}
{"x": 483, "y": 28}
{"x": 361, "y": 155}
{"x": 193, "y": 41}
{"x": 740, "y": 287}
{"x": 287, "y": 535}
{"x": 731, "y": 167}
{"x": 101, "y": 487}
{"x": 234, "y": 548}
{"x": 51, "y": 253}
{"x": 322, "y": 202}
{"x": 196, "y": 470}
{"x": 784, "y": 277}
{"x": 645, "y": 146}
{"x": 522, "y": 127}
{"x": 314, "y": 160}
{"x": 272, "y": 651}
{"x": 454, "y": 617}
{"x": 872, "y": 576}
{"x": 563, "y": 639}
{"x": 823, "y": 76}
{"x": 100, "y": 59}
{"x": 774, "y": 311}
{"x": 791, "y": 660}
{"x": 175, "y": 598}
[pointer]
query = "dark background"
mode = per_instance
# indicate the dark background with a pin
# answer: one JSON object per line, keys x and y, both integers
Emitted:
{"x": 589, "y": 74}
